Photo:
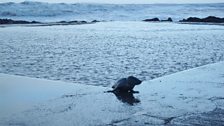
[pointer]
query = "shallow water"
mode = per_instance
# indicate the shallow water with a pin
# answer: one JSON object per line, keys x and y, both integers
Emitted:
{"x": 101, "y": 53}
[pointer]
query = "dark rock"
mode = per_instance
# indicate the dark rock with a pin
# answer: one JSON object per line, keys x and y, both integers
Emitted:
{"x": 77, "y": 22}
{"x": 10, "y": 21}
{"x": 6, "y": 21}
{"x": 213, "y": 19}
{"x": 94, "y": 21}
{"x": 62, "y": 22}
{"x": 70, "y": 22}
{"x": 35, "y": 22}
{"x": 191, "y": 19}
{"x": 83, "y": 22}
{"x": 73, "y": 21}
{"x": 21, "y": 22}
{"x": 151, "y": 20}
{"x": 210, "y": 19}
{"x": 169, "y": 19}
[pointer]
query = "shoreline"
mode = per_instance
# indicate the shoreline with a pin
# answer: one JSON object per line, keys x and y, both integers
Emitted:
{"x": 210, "y": 20}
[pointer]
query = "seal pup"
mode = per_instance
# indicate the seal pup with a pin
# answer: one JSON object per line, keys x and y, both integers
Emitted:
{"x": 126, "y": 85}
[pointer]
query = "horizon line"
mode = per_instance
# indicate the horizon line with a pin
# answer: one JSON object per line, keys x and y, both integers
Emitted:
{"x": 108, "y": 2}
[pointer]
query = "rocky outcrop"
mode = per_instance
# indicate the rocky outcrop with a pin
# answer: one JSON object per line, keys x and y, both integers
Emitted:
{"x": 168, "y": 20}
{"x": 158, "y": 20}
{"x": 151, "y": 20}
{"x": 70, "y": 22}
{"x": 209, "y": 19}
{"x": 75, "y": 22}
{"x": 10, "y": 21}
{"x": 95, "y": 21}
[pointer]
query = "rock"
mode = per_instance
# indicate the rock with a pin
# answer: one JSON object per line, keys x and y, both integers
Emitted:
{"x": 10, "y": 21}
{"x": 35, "y": 22}
{"x": 191, "y": 19}
{"x": 72, "y": 22}
{"x": 214, "y": 19}
{"x": 151, "y": 20}
{"x": 83, "y": 22}
{"x": 168, "y": 20}
{"x": 157, "y": 19}
{"x": 209, "y": 19}
{"x": 95, "y": 21}
{"x": 5, "y": 21}
{"x": 62, "y": 22}
{"x": 75, "y": 22}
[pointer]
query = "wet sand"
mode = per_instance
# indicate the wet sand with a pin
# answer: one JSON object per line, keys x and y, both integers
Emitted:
{"x": 191, "y": 97}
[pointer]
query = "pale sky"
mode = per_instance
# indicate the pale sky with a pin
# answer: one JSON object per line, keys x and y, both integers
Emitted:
{"x": 121, "y": 1}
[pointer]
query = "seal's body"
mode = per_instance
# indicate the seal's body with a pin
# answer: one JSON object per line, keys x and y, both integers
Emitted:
{"x": 126, "y": 84}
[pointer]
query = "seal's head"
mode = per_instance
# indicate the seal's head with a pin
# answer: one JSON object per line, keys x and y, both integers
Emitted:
{"x": 133, "y": 80}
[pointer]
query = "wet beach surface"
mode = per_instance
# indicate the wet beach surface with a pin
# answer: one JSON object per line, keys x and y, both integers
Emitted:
{"x": 101, "y": 53}
{"x": 192, "y": 97}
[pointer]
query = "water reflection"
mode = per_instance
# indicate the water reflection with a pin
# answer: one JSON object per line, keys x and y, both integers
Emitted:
{"x": 126, "y": 97}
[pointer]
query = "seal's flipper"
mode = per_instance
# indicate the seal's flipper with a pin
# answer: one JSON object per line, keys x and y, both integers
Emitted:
{"x": 110, "y": 91}
{"x": 132, "y": 91}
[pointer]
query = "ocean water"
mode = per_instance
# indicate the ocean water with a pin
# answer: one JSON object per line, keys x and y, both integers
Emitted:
{"x": 101, "y": 53}
{"x": 116, "y": 12}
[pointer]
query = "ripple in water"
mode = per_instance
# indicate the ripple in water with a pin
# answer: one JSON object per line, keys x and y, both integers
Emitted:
{"x": 99, "y": 54}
